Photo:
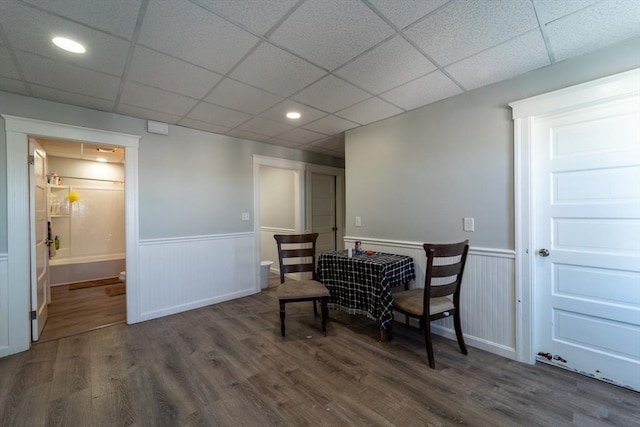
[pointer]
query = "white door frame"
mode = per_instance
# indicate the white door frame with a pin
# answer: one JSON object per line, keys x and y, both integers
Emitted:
{"x": 18, "y": 239}
{"x": 525, "y": 113}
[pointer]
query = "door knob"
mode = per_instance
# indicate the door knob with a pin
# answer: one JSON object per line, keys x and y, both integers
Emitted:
{"x": 543, "y": 252}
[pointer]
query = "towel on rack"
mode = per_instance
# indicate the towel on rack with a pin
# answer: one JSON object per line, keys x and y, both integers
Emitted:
{"x": 52, "y": 247}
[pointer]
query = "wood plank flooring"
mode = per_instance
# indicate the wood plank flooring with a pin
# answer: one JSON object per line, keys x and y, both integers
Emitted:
{"x": 75, "y": 311}
{"x": 226, "y": 365}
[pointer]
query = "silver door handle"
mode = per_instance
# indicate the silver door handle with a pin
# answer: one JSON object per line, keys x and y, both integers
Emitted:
{"x": 543, "y": 252}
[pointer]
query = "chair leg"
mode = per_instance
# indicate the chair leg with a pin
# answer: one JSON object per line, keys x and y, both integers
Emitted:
{"x": 282, "y": 317}
{"x": 458, "y": 326}
{"x": 315, "y": 309}
{"x": 325, "y": 314}
{"x": 428, "y": 343}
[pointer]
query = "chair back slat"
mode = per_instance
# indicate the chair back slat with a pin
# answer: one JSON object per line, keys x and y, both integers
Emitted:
{"x": 444, "y": 261}
{"x": 446, "y": 270}
{"x": 298, "y": 268}
{"x": 298, "y": 253}
{"x": 298, "y": 259}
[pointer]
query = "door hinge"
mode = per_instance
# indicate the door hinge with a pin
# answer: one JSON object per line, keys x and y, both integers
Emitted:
{"x": 34, "y": 315}
{"x": 31, "y": 160}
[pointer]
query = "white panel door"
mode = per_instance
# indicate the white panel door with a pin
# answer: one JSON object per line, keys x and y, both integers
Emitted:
{"x": 587, "y": 239}
{"x": 323, "y": 211}
{"x": 40, "y": 241}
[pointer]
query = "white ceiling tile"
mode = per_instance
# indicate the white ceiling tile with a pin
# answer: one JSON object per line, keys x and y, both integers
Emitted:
{"x": 283, "y": 143}
{"x": 331, "y": 94}
{"x": 502, "y": 62}
{"x": 301, "y": 136}
{"x": 265, "y": 126}
{"x": 47, "y": 72}
{"x": 174, "y": 75}
{"x": 278, "y": 113}
{"x": 550, "y": 10}
{"x": 594, "y": 27}
{"x": 369, "y": 111}
{"x": 32, "y": 30}
{"x": 320, "y": 150}
{"x": 251, "y": 136}
{"x": 119, "y": 19}
{"x": 71, "y": 98}
{"x": 215, "y": 114}
{"x": 463, "y": 28}
{"x": 255, "y": 15}
{"x": 331, "y": 32}
{"x": 147, "y": 114}
{"x": 276, "y": 71}
{"x": 239, "y": 96}
{"x": 335, "y": 143}
{"x": 13, "y": 86}
{"x": 405, "y": 12}
{"x": 155, "y": 99}
{"x": 388, "y": 65}
{"x": 7, "y": 67}
{"x": 208, "y": 127}
{"x": 331, "y": 125}
{"x": 425, "y": 90}
{"x": 188, "y": 31}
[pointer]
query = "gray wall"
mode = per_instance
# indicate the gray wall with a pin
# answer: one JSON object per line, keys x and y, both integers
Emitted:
{"x": 277, "y": 198}
{"x": 190, "y": 183}
{"x": 414, "y": 177}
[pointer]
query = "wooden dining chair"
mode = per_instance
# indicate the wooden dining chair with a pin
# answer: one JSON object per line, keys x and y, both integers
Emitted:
{"x": 299, "y": 251}
{"x": 445, "y": 263}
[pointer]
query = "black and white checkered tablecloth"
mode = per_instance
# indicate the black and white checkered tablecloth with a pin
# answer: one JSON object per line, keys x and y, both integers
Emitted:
{"x": 362, "y": 284}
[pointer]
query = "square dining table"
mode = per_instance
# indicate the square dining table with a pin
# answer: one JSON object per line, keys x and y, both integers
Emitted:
{"x": 362, "y": 284}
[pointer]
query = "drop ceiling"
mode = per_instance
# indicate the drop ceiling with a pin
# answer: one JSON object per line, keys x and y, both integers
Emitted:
{"x": 235, "y": 67}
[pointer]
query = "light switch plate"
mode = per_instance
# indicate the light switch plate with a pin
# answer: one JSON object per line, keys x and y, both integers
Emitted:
{"x": 358, "y": 221}
{"x": 245, "y": 216}
{"x": 468, "y": 224}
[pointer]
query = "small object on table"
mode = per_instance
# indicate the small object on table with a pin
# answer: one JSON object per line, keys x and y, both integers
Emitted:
{"x": 369, "y": 252}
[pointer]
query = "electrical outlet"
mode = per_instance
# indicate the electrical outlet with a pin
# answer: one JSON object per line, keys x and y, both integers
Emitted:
{"x": 358, "y": 221}
{"x": 468, "y": 224}
{"x": 245, "y": 216}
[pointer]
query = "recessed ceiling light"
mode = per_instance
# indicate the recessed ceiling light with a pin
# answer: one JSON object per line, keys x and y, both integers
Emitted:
{"x": 68, "y": 45}
{"x": 293, "y": 115}
{"x": 101, "y": 159}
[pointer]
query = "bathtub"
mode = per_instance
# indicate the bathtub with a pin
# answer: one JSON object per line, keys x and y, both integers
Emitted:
{"x": 63, "y": 271}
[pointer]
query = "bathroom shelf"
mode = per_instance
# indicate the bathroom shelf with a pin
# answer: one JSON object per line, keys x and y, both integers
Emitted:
{"x": 59, "y": 214}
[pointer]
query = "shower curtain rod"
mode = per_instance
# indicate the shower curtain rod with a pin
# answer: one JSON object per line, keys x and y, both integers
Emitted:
{"x": 92, "y": 179}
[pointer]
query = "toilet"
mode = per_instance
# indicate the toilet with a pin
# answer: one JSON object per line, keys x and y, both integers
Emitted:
{"x": 123, "y": 276}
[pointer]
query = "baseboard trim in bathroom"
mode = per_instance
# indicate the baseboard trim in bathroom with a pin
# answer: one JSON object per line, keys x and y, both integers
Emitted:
{"x": 118, "y": 289}
{"x": 94, "y": 283}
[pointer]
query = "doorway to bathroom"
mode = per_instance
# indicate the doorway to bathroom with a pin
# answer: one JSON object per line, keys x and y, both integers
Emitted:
{"x": 84, "y": 283}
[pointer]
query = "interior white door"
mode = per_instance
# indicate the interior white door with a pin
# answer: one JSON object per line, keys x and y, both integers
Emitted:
{"x": 39, "y": 241}
{"x": 323, "y": 211}
{"x": 586, "y": 172}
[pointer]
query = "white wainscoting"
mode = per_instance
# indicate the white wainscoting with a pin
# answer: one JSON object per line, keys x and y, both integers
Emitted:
{"x": 180, "y": 274}
{"x": 487, "y": 299}
{"x": 4, "y": 305}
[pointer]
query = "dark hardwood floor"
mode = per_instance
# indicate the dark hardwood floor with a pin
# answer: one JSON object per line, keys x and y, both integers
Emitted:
{"x": 82, "y": 310}
{"x": 227, "y": 365}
